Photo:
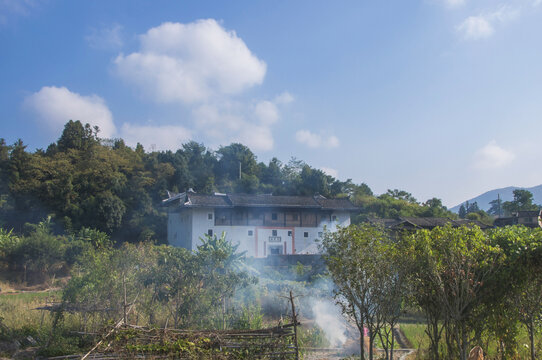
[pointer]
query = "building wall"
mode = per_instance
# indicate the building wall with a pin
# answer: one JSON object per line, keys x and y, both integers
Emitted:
{"x": 201, "y": 224}
{"x": 185, "y": 229}
{"x": 179, "y": 230}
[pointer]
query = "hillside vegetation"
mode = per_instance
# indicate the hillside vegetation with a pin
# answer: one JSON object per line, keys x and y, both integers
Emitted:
{"x": 83, "y": 181}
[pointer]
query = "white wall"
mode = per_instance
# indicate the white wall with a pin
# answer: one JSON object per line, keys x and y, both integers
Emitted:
{"x": 185, "y": 228}
{"x": 201, "y": 224}
{"x": 179, "y": 230}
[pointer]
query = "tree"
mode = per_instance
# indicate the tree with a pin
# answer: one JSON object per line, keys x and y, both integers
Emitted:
{"x": 434, "y": 208}
{"x": 401, "y": 195}
{"x": 530, "y": 308}
{"x": 77, "y": 136}
{"x": 367, "y": 280}
{"x": 4, "y": 166}
{"x": 519, "y": 284}
{"x": 40, "y": 254}
{"x": 457, "y": 264}
{"x": 523, "y": 201}
{"x": 495, "y": 207}
{"x": 234, "y": 160}
{"x": 472, "y": 208}
{"x": 462, "y": 211}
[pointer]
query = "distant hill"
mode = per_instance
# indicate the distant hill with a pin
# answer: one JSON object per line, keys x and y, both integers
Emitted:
{"x": 506, "y": 195}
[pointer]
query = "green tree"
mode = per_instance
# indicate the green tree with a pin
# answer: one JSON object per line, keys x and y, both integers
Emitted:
{"x": 523, "y": 201}
{"x": 38, "y": 255}
{"x": 401, "y": 195}
{"x": 362, "y": 265}
{"x": 462, "y": 211}
{"x": 77, "y": 136}
{"x": 461, "y": 261}
{"x": 495, "y": 207}
{"x": 235, "y": 159}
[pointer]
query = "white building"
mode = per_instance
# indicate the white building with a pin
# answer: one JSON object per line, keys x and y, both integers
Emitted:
{"x": 262, "y": 225}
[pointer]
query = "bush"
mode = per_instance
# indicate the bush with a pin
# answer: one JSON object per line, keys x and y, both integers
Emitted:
{"x": 37, "y": 256}
{"x": 249, "y": 317}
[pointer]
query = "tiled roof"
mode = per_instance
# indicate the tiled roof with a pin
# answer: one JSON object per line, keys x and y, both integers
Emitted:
{"x": 192, "y": 199}
{"x": 405, "y": 222}
{"x": 471, "y": 223}
{"x": 528, "y": 213}
{"x": 195, "y": 199}
{"x": 342, "y": 203}
{"x": 426, "y": 222}
{"x": 385, "y": 222}
{"x": 275, "y": 201}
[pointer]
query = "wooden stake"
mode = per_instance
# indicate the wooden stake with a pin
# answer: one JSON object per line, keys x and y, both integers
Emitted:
{"x": 124, "y": 302}
{"x": 294, "y": 319}
{"x": 119, "y": 323}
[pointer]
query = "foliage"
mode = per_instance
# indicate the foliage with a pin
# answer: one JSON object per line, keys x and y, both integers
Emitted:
{"x": 472, "y": 285}
{"x": 450, "y": 269}
{"x": 165, "y": 282}
{"x": 471, "y": 211}
{"x": 368, "y": 277}
{"x": 250, "y": 317}
{"x": 523, "y": 201}
{"x": 83, "y": 181}
{"x": 312, "y": 337}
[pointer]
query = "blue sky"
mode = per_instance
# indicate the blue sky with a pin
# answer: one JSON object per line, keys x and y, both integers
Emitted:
{"x": 437, "y": 97}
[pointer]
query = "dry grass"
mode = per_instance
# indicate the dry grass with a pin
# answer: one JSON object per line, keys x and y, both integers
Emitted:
{"x": 6, "y": 287}
{"x": 17, "y": 309}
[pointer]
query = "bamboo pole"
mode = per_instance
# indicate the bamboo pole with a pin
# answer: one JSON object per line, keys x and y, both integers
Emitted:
{"x": 294, "y": 319}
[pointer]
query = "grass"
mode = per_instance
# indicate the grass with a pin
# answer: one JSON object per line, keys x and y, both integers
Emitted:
{"x": 6, "y": 287}
{"x": 18, "y": 309}
{"x": 415, "y": 333}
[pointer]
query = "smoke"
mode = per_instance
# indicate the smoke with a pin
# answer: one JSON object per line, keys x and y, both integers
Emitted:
{"x": 311, "y": 287}
{"x": 328, "y": 317}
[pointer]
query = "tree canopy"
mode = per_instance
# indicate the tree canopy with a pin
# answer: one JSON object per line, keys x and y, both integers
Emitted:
{"x": 82, "y": 180}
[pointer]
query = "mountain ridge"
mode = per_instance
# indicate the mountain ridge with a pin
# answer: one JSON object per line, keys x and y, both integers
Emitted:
{"x": 506, "y": 194}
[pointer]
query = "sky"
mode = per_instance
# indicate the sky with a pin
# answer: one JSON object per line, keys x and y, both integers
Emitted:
{"x": 441, "y": 98}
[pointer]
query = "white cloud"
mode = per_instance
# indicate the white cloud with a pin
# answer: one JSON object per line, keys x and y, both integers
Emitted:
{"x": 191, "y": 63}
{"x": 492, "y": 156}
{"x": 455, "y": 3}
{"x": 483, "y": 26}
{"x": 227, "y": 122}
{"x": 54, "y": 106}
{"x": 9, "y": 8}
{"x": 313, "y": 140}
{"x": 537, "y": 2}
{"x": 332, "y": 142}
{"x": 286, "y": 97}
{"x": 266, "y": 112}
{"x": 107, "y": 38}
{"x": 330, "y": 172}
{"x": 152, "y": 137}
{"x": 476, "y": 27}
{"x": 256, "y": 137}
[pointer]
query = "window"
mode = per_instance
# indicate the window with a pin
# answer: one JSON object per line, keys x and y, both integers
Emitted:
{"x": 210, "y": 232}
{"x": 290, "y": 233}
{"x": 250, "y": 233}
{"x": 334, "y": 218}
{"x": 274, "y": 216}
{"x": 306, "y": 234}
{"x": 274, "y": 232}
{"x": 210, "y": 216}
